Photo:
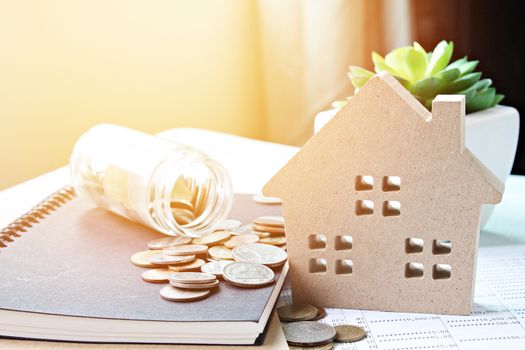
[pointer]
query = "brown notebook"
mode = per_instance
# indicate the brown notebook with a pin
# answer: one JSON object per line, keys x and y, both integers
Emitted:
{"x": 66, "y": 275}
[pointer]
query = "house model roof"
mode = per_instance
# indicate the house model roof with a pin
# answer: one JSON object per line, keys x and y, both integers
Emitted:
{"x": 384, "y": 127}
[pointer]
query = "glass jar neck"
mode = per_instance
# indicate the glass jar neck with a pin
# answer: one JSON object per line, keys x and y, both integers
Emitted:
{"x": 189, "y": 194}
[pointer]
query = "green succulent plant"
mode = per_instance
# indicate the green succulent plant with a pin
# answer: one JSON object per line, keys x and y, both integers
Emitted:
{"x": 426, "y": 75}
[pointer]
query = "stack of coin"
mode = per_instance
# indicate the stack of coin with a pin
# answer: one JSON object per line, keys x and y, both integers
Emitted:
{"x": 301, "y": 330}
{"x": 193, "y": 280}
{"x": 274, "y": 226}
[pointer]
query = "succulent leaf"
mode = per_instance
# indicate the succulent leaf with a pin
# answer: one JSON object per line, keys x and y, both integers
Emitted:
{"x": 359, "y": 76}
{"x": 409, "y": 63}
{"x": 457, "y": 63}
{"x": 468, "y": 67}
{"x": 440, "y": 57}
{"x": 449, "y": 75}
{"x": 461, "y": 83}
{"x": 426, "y": 87}
{"x": 482, "y": 100}
{"x": 497, "y": 99}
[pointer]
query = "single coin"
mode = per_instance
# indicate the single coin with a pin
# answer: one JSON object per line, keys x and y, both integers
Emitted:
{"x": 277, "y": 240}
{"x": 259, "y": 253}
{"x": 259, "y": 198}
{"x": 187, "y": 249}
{"x": 142, "y": 258}
{"x": 228, "y": 224}
{"x": 176, "y": 294}
{"x": 194, "y": 265}
{"x": 308, "y": 333}
{"x": 215, "y": 267}
{"x": 163, "y": 259}
{"x": 245, "y": 274}
{"x": 166, "y": 242}
{"x": 241, "y": 230}
{"x": 327, "y": 346}
{"x": 212, "y": 238}
{"x": 297, "y": 312}
{"x": 349, "y": 333}
{"x": 320, "y": 314}
{"x": 195, "y": 285}
{"x": 269, "y": 229}
{"x": 220, "y": 252}
{"x": 275, "y": 221}
{"x": 156, "y": 275}
{"x": 241, "y": 239}
{"x": 192, "y": 277}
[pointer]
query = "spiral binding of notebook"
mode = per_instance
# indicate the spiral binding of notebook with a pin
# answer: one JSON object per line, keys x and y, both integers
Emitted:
{"x": 35, "y": 214}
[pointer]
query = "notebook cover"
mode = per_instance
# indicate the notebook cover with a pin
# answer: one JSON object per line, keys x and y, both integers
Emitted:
{"x": 76, "y": 262}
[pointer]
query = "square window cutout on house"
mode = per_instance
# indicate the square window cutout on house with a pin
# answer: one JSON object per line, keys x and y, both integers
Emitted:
{"x": 414, "y": 245}
{"x": 364, "y": 183}
{"x": 391, "y": 183}
{"x": 441, "y": 271}
{"x": 364, "y": 207}
{"x": 343, "y": 242}
{"x": 343, "y": 266}
{"x": 317, "y": 266}
{"x": 414, "y": 270}
{"x": 391, "y": 208}
{"x": 317, "y": 242}
{"x": 441, "y": 247}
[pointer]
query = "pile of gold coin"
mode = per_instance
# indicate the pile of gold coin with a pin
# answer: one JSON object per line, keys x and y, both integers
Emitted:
{"x": 302, "y": 330}
{"x": 241, "y": 255}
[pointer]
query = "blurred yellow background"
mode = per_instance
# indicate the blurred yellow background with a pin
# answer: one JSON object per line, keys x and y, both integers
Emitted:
{"x": 259, "y": 69}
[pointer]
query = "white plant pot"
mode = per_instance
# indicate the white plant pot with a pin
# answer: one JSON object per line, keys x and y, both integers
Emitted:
{"x": 492, "y": 135}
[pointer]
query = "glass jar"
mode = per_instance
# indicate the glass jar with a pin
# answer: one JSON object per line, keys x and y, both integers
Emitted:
{"x": 172, "y": 188}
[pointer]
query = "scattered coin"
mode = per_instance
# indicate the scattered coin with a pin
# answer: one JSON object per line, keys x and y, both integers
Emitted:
{"x": 220, "y": 252}
{"x": 241, "y": 239}
{"x": 176, "y": 294}
{"x": 241, "y": 230}
{"x": 142, "y": 258}
{"x": 259, "y": 198}
{"x": 269, "y": 229}
{"x": 297, "y": 312}
{"x": 320, "y": 314}
{"x": 260, "y": 253}
{"x": 228, "y": 224}
{"x": 166, "y": 242}
{"x": 274, "y": 221}
{"x": 215, "y": 267}
{"x": 209, "y": 285}
{"x": 308, "y": 333}
{"x": 187, "y": 249}
{"x": 156, "y": 275}
{"x": 192, "y": 277}
{"x": 349, "y": 333}
{"x": 276, "y": 240}
{"x": 245, "y": 274}
{"x": 212, "y": 238}
{"x": 328, "y": 346}
{"x": 163, "y": 259}
{"x": 194, "y": 265}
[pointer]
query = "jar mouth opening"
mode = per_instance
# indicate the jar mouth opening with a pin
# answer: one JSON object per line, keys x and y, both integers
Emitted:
{"x": 189, "y": 195}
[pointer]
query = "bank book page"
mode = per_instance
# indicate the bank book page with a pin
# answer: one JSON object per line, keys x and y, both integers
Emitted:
{"x": 497, "y": 320}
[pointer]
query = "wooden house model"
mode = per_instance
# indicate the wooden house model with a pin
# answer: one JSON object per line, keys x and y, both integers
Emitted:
{"x": 382, "y": 206}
